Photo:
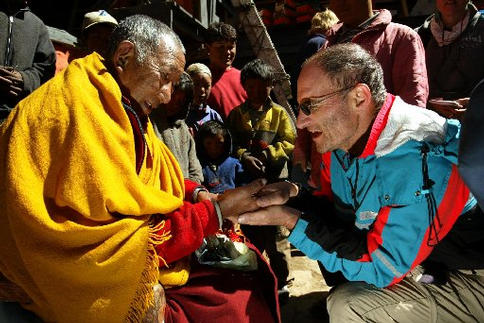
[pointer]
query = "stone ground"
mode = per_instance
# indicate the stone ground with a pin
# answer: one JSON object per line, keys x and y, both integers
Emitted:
{"x": 307, "y": 292}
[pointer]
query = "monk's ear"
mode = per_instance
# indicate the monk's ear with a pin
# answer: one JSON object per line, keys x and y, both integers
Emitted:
{"x": 123, "y": 55}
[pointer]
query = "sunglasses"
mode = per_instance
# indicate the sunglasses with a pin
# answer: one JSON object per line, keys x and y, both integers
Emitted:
{"x": 311, "y": 104}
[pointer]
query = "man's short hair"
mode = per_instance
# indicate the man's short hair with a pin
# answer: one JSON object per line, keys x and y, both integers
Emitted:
{"x": 220, "y": 31}
{"x": 257, "y": 69}
{"x": 145, "y": 33}
{"x": 349, "y": 64}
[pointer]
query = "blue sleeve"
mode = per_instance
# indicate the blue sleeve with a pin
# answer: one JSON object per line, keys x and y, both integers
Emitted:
{"x": 394, "y": 242}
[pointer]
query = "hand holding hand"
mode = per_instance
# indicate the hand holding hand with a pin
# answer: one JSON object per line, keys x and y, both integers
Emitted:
{"x": 276, "y": 193}
{"x": 272, "y": 215}
{"x": 239, "y": 200}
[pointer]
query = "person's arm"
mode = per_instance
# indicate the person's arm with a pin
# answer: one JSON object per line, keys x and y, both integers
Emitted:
{"x": 283, "y": 146}
{"x": 43, "y": 67}
{"x": 252, "y": 164}
{"x": 233, "y": 123}
{"x": 409, "y": 71}
{"x": 185, "y": 229}
{"x": 400, "y": 238}
{"x": 180, "y": 232}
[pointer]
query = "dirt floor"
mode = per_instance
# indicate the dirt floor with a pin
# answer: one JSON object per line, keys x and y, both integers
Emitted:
{"x": 307, "y": 292}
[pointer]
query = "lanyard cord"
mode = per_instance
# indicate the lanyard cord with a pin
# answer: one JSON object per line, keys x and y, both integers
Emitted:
{"x": 433, "y": 214}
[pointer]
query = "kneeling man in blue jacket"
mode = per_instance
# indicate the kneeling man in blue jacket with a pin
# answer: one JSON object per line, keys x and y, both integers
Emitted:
{"x": 396, "y": 219}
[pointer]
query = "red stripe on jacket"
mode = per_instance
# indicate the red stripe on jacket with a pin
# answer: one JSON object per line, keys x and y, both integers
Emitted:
{"x": 449, "y": 210}
{"x": 378, "y": 125}
{"x": 374, "y": 237}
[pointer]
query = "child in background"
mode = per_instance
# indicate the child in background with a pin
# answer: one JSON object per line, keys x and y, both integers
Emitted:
{"x": 264, "y": 140}
{"x": 169, "y": 125}
{"x": 262, "y": 130}
{"x": 227, "y": 92}
{"x": 214, "y": 145}
{"x": 228, "y": 248}
{"x": 200, "y": 112}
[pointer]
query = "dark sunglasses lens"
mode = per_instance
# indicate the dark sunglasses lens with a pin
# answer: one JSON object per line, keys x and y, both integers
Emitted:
{"x": 304, "y": 107}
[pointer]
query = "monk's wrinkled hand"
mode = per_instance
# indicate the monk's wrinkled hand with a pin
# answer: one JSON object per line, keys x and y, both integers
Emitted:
{"x": 203, "y": 195}
{"x": 272, "y": 215}
{"x": 276, "y": 193}
{"x": 240, "y": 200}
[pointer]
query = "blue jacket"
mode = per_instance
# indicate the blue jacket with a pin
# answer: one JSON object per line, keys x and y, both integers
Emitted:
{"x": 226, "y": 175}
{"x": 398, "y": 199}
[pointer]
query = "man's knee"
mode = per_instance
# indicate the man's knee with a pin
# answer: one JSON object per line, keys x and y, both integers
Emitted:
{"x": 344, "y": 302}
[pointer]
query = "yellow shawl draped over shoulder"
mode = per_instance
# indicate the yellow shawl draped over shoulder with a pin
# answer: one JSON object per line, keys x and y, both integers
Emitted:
{"x": 74, "y": 214}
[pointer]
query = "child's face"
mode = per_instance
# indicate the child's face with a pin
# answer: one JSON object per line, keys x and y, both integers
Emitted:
{"x": 202, "y": 85}
{"x": 222, "y": 53}
{"x": 214, "y": 146}
{"x": 257, "y": 91}
{"x": 175, "y": 106}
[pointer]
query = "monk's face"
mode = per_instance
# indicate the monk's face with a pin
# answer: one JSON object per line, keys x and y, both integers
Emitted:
{"x": 150, "y": 83}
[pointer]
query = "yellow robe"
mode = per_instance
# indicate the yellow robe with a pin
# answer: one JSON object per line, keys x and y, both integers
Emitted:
{"x": 67, "y": 167}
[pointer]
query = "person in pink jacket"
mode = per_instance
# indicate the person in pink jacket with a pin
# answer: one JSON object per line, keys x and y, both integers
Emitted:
{"x": 396, "y": 47}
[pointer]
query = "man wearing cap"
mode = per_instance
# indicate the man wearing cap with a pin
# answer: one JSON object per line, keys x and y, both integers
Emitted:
{"x": 27, "y": 57}
{"x": 97, "y": 27}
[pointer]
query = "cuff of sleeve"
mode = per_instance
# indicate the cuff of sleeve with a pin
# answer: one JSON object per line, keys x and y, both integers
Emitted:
{"x": 208, "y": 216}
{"x": 197, "y": 190}
{"x": 190, "y": 186}
{"x": 298, "y": 234}
{"x": 219, "y": 214}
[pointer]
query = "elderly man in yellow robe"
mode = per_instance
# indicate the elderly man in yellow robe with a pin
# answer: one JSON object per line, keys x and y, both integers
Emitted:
{"x": 93, "y": 205}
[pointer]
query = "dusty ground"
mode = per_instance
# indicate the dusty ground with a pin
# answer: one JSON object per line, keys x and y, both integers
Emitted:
{"x": 307, "y": 292}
